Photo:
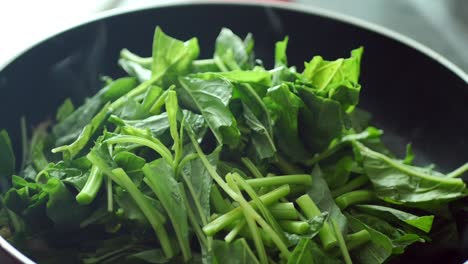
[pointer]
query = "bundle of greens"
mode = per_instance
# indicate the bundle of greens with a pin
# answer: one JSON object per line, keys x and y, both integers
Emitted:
{"x": 219, "y": 161}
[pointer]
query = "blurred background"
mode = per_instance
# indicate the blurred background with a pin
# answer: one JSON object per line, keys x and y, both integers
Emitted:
{"x": 439, "y": 24}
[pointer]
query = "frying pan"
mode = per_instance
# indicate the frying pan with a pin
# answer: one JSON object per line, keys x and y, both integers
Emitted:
{"x": 414, "y": 94}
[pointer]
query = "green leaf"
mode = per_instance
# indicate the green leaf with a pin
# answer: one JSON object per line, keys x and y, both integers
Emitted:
{"x": 129, "y": 210}
{"x": 307, "y": 251}
{"x": 197, "y": 123}
{"x": 60, "y": 170}
{"x": 282, "y": 73}
{"x": 256, "y": 77}
{"x": 258, "y": 120}
{"x": 70, "y": 128}
{"x": 157, "y": 124}
{"x": 132, "y": 110}
{"x": 338, "y": 173}
{"x": 129, "y": 161}
{"x": 134, "y": 69}
{"x": 284, "y": 107}
{"x": 281, "y": 58}
{"x": 17, "y": 199}
{"x": 70, "y": 151}
{"x": 200, "y": 183}
{"x": 320, "y": 194}
{"x": 262, "y": 140}
{"x": 172, "y": 57}
{"x": 232, "y": 52}
{"x": 408, "y": 160}
{"x": 40, "y": 142}
{"x": 59, "y": 198}
{"x": 78, "y": 181}
{"x": 302, "y": 253}
{"x": 399, "y": 238}
{"x": 237, "y": 252}
{"x": 7, "y": 159}
{"x": 211, "y": 99}
{"x": 160, "y": 178}
{"x": 323, "y": 73}
{"x": 322, "y": 120}
{"x": 423, "y": 223}
{"x": 337, "y": 79}
{"x": 377, "y": 251}
{"x": 64, "y": 110}
{"x": 315, "y": 224}
{"x": 400, "y": 183}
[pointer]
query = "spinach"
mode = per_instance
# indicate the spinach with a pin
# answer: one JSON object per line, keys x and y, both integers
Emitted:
{"x": 211, "y": 99}
{"x": 171, "y": 56}
{"x": 398, "y": 183}
{"x": 423, "y": 223}
{"x": 7, "y": 159}
{"x": 231, "y": 52}
{"x": 320, "y": 194}
{"x": 189, "y": 160}
{"x": 284, "y": 107}
{"x": 159, "y": 177}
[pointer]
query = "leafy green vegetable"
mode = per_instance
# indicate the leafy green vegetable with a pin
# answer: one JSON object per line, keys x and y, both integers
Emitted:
{"x": 171, "y": 56}
{"x": 231, "y": 52}
{"x": 7, "y": 159}
{"x": 284, "y": 106}
{"x": 221, "y": 160}
{"x": 236, "y": 252}
{"x": 159, "y": 177}
{"x": 423, "y": 223}
{"x": 64, "y": 110}
{"x": 211, "y": 99}
{"x": 400, "y": 183}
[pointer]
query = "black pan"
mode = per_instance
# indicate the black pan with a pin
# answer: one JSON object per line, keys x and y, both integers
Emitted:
{"x": 414, "y": 94}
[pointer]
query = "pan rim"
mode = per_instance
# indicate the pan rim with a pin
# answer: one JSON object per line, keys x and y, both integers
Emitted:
{"x": 296, "y": 7}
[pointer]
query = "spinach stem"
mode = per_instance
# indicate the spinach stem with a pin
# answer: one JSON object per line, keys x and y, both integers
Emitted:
{"x": 155, "y": 218}
{"x": 144, "y": 62}
{"x": 295, "y": 227}
{"x": 354, "y": 240}
{"x": 357, "y": 239}
{"x": 323, "y": 155}
{"x": 110, "y": 202}
{"x": 251, "y": 167}
{"x": 354, "y": 197}
{"x": 254, "y": 230}
{"x": 228, "y": 218}
{"x": 458, "y": 172}
{"x": 152, "y": 143}
{"x": 192, "y": 218}
{"x": 311, "y": 210}
{"x": 269, "y": 224}
{"x": 405, "y": 168}
{"x": 233, "y": 233}
{"x": 91, "y": 187}
{"x": 341, "y": 243}
{"x": 140, "y": 89}
{"x": 286, "y": 167}
{"x": 284, "y": 211}
{"x": 298, "y": 179}
{"x": 203, "y": 217}
{"x": 184, "y": 161}
{"x": 353, "y": 184}
{"x": 156, "y": 107}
